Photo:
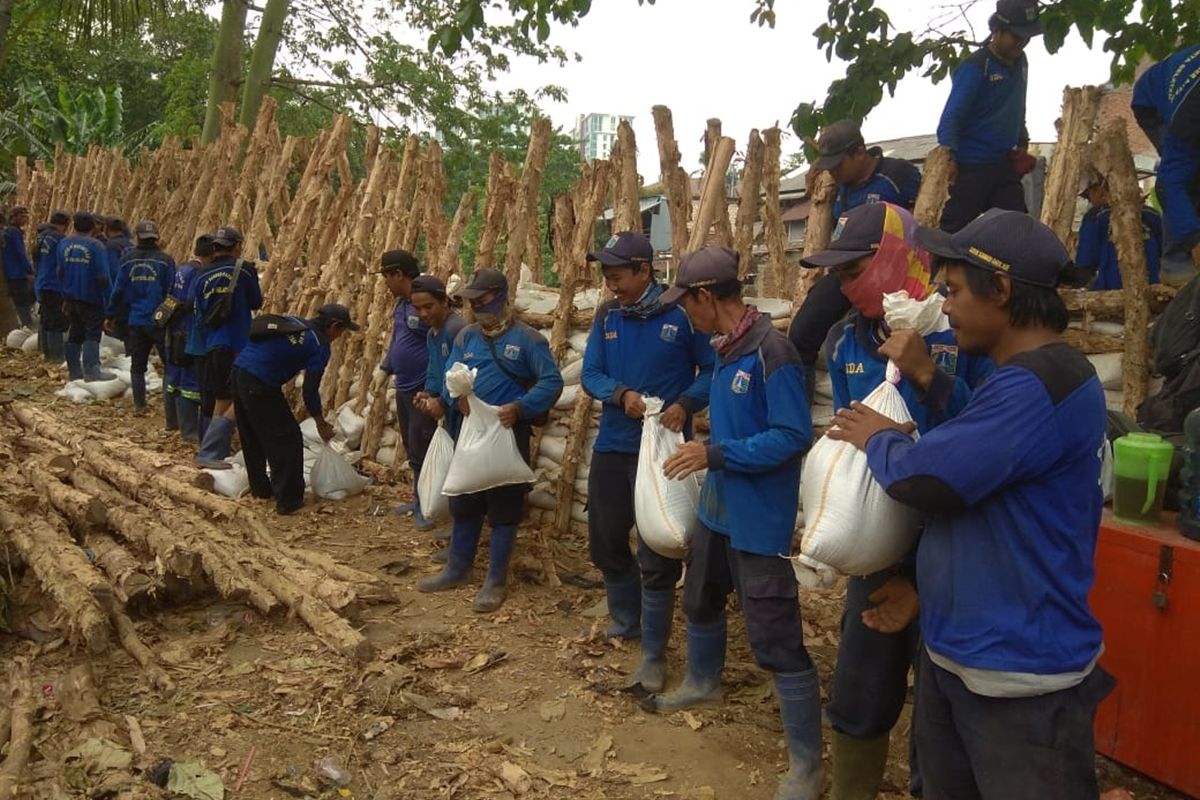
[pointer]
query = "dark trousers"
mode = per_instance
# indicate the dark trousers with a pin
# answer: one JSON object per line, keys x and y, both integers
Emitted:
{"x": 85, "y": 322}
{"x": 984, "y": 748}
{"x": 610, "y": 518}
{"x": 215, "y": 371}
{"x": 50, "y": 309}
{"x": 766, "y": 590}
{"x": 270, "y": 436}
{"x": 416, "y": 431}
{"x": 504, "y": 505}
{"x": 20, "y": 291}
{"x": 140, "y": 341}
{"x": 979, "y": 187}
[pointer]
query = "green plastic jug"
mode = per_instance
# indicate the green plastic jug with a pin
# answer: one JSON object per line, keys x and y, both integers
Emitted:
{"x": 1141, "y": 463}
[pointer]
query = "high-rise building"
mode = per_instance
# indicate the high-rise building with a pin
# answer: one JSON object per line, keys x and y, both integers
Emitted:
{"x": 597, "y": 133}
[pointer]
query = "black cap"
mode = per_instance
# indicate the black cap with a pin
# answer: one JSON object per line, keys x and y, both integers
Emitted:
{"x": 1022, "y": 17}
{"x": 484, "y": 280}
{"x": 17, "y": 210}
{"x": 146, "y": 229}
{"x": 625, "y": 249}
{"x": 399, "y": 261}
{"x": 835, "y": 142}
{"x": 857, "y": 234}
{"x": 430, "y": 284}
{"x": 227, "y": 236}
{"x": 60, "y": 216}
{"x": 1009, "y": 242}
{"x": 709, "y": 266}
{"x": 84, "y": 220}
{"x": 336, "y": 312}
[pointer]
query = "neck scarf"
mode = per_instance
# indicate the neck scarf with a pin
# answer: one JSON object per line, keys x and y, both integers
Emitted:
{"x": 726, "y": 343}
{"x": 648, "y": 305}
{"x": 898, "y": 264}
{"x": 495, "y": 316}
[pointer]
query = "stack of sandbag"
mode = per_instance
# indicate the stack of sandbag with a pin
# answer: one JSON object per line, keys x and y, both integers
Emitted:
{"x": 80, "y": 391}
{"x": 15, "y": 340}
{"x": 329, "y": 469}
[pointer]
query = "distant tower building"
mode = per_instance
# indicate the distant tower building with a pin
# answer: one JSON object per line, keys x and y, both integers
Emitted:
{"x": 597, "y": 133}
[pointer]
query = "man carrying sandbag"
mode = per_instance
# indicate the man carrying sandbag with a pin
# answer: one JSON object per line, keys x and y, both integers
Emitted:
{"x": 760, "y": 429}
{"x": 279, "y": 347}
{"x": 637, "y": 347}
{"x": 1009, "y": 682}
{"x": 515, "y": 372}
{"x": 873, "y": 253}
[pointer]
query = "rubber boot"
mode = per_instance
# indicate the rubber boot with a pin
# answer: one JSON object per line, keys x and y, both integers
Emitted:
{"x": 170, "y": 412}
{"x": 202, "y": 423}
{"x": 218, "y": 440}
{"x": 419, "y": 521}
{"x": 72, "y": 354}
{"x": 91, "y": 363}
{"x": 188, "y": 413}
{"x": 464, "y": 541}
{"x": 705, "y": 660}
{"x": 624, "y": 605}
{"x": 800, "y": 708}
{"x": 54, "y": 347}
{"x": 137, "y": 384}
{"x": 858, "y": 766}
{"x": 658, "y": 609}
{"x": 495, "y": 587}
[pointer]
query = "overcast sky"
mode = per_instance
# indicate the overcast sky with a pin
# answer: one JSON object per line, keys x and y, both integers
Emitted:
{"x": 704, "y": 58}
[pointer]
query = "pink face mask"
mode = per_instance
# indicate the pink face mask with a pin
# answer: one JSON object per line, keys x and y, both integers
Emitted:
{"x": 897, "y": 265}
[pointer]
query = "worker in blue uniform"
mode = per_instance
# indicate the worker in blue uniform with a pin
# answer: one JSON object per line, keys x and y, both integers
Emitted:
{"x": 870, "y": 681}
{"x": 181, "y": 383}
{"x": 637, "y": 348}
{"x": 52, "y": 319}
{"x": 1166, "y": 104}
{"x": 117, "y": 242}
{"x": 983, "y": 122}
{"x": 82, "y": 265}
{"x": 18, "y": 270}
{"x": 280, "y": 347}
{"x": 144, "y": 279}
{"x": 1095, "y": 253}
{"x": 1009, "y": 681}
{"x": 516, "y": 373}
{"x": 760, "y": 429}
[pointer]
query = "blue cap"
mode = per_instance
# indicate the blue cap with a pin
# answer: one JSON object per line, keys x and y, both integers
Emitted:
{"x": 625, "y": 249}
{"x": 1008, "y": 242}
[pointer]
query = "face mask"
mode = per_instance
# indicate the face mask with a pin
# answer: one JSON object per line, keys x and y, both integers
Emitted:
{"x": 494, "y": 306}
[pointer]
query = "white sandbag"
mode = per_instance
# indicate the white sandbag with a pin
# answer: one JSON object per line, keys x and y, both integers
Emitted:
{"x": 665, "y": 509}
{"x": 578, "y": 512}
{"x": 308, "y": 429}
{"x": 853, "y": 526}
{"x": 389, "y": 438}
{"x": 117, "y": 362}
{"x": 106, "y": 390}
{"x": 822, "y": 415}
{"x": 386, "y": 455}
{"x": 553, "y": 448}
{"x": 349, "y": 426}
{"x": 567, "y": 399}
{"x": 333, "y": 478}
{"x": 812, "y": 574}
{"x": 76, "y": 393}
{"x": 486, "y": 455}
{"x": 1108, "y": 369}
{"x": 902, "y": 313}
{"x": 16, "y": 337}
{"x": 581, "y": 488}
{"x": 30, "y": 345}
{"x": 544, "y": 499}
{"x": 233, "y": 482}
{"x": 438, "y": 456}
{"x": 572, "y": 372}
{"x": 823, "y": 388}
{"x": 114, "y": 346}
{"x": 578, "y": 340}
{"x": 555, "y": 429}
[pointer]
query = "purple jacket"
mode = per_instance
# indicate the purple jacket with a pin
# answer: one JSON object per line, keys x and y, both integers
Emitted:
{"x": 408, "y": 356}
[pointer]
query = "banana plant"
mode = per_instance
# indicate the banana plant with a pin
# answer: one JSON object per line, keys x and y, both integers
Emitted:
{"x": 78, "y": 117}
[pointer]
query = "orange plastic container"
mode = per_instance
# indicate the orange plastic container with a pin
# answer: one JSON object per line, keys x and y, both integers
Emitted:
{"x": 1147, "y": 597}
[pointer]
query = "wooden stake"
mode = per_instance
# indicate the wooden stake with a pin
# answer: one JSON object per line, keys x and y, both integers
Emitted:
{"x": 675, "y": 181}
{"x": 500, "y": 190}
{"x": 935, "y": 187}
{"x": 723, "y": 233}
{"x": 627, "y": 212}
{"x": 747, "y": 215}
{"x": 773, "y": 231}
{"x": 1079, "y": 110}
{"x": 714, "y": 204}
{"x": 525, "y": 205}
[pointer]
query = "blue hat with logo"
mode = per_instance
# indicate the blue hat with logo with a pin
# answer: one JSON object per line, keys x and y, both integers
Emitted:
{"x": 1008, "y": 242}
{"x": 625, "y": 249}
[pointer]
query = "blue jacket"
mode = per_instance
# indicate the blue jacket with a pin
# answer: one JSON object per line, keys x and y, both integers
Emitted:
{"x": 1157, "y": 96}
{"x": 439, "y": 343}
{"x": 893, "y": 181}
{"x": 215, "y": 280}
{"x": 275, "y": 360}
{"x": 144, "y": 280}
{"x": 856, "y": 369}
{"x": 183, "y": 379}
{"x": 760, "y": 428}
{"x": 47, "y": 259}
{"x": 83, "y": 270}
{"x": 984, "y": 117}
{"x": 663, "y": 357}
{"x": 407, "y": 359}
{"x": 116, "y": 247}
{"x": 1095, "y": 251}
{"x": 1011, "y": 490}
{"x": 16, "y": 257}
{"x": 526, "y": 354}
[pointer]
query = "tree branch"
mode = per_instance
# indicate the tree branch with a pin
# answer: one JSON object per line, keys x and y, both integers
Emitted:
{"x": 288, "y": 82}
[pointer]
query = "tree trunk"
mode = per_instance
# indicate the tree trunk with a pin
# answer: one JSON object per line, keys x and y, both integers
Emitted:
{"x": 935, "y": 187}
{"x": 714, "y": 205}
{"x": 627, "y": 213}
{"x": 226, "y": 66}
{"x": 747, "y": 214}
{"x": 675, "y": 181}
{"x": 22, "y": 702}
{"x": 1079, "y": 110}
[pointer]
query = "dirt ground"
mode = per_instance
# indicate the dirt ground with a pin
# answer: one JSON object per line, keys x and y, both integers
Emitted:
{"x": 518, "y": 703}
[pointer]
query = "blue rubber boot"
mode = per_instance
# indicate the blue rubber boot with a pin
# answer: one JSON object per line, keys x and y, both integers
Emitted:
{"x": 202, "y": 423}
{"x": 495, "y": 588}
{"x": 137, "y": 383}
{"x": 188, "y": 413}
{"x": 53, "y": 347}
{"x": 624, "y": 594}
{"x": 73, "y": 353}
{"x": 800, "y": 707}
{"x": 464, "y": 541}
{"x": 90, "y": 352}
{"x": 170, "y": 410}
{"x": 658, "y": 611}
{"x": 217, "y": 442}
{"x": 705, "y": 660}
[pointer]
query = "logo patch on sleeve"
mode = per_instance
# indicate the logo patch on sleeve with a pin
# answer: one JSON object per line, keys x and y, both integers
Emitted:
{"x": 512, "y": 351}
{"x": 669, "y": 332}
{"x": 414, "y": 321}
{"x": 445, "y": 350}
{"x": 610, "y": 336}
{"x": 741, "y": 382}
{"x": 945, "y": 356}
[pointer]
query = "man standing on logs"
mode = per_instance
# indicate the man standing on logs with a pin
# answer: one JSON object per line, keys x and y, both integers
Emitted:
{"x": 83, "y": 275}
{"x": 516, "y": 373}
{"x": 760, "y": 430}
{"x": 278, "y": 349}
{"x": 863, "y": 176}
{"x": 144, "y": 280}
{"x": 48, "y": 290}
{"x": 637, "y": 348}
{"x": 18, "y": 271}
{"x": 227, "y": 292}
{"x": 407, "y": 361}
{"x": 983, "y": 122}
{"x": 1166, "y": 103}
